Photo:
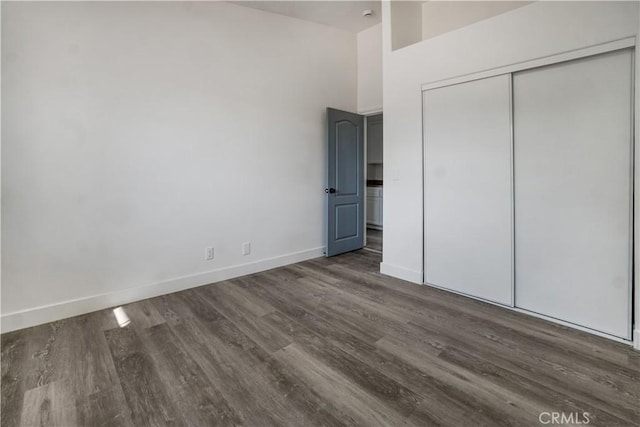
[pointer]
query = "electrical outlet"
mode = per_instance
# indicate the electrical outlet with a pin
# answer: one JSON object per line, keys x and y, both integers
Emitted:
{"x": 208, "y": 253}
{"x": 246, "y": 248}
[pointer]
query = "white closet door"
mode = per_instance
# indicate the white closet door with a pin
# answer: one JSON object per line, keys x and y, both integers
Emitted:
{"x": 572, "y": 153}
{"x": 468, "y": 207}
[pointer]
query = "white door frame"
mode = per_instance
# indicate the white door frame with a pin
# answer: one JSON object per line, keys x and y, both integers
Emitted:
{"x": 366, "y": 115}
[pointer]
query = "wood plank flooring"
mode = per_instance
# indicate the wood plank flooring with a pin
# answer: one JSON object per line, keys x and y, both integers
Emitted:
{"x": 374, "y": 239}
{"x": 325, "y": 342}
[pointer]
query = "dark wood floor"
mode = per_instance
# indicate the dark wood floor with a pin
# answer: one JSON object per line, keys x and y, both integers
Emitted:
{"x": 374, "y": 239}
{"x": 323, "y": 342}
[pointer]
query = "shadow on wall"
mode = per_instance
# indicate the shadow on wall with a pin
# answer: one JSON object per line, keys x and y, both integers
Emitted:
{"x": 413, "y": 21}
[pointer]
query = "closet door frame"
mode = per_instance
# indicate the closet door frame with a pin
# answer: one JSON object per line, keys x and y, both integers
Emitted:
{"x": 634, "y": 288}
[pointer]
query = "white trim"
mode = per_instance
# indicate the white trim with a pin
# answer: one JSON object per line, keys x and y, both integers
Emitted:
{"x": 401, "y": 273}
{"x": 423, "y": 225}
{"x": 538, "y": 315}
{"x": 365, "y": 171}
{"x": 539, "y": 62}
{"x": 636, "y": 203}
{"x": 49, "y": 313}
{"x": 512, "y": 194}
{"x": 632, "y": 191}
{"x": 371, "y": 112}
{"x": 366, "y": 115}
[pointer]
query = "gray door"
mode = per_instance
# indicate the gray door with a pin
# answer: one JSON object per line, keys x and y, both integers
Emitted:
{"x": 345, "y": 186}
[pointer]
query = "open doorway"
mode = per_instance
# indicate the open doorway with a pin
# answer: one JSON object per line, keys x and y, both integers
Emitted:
{"x": 374, "y": 182}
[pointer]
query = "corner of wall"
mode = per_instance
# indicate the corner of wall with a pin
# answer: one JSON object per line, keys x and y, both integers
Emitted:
{"x": 401, "y": 273}
{"x": 369, "y": 53}
{"x": 386, "y": 27}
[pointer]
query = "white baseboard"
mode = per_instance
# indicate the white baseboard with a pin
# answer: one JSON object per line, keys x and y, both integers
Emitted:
{"x": 401, "y": 273}
{"x": 52, "y": 312}
{"x": 636, "y": 339}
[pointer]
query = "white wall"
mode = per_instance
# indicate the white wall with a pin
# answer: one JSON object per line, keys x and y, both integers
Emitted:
{"x": 439, "y": 17}
{"x": 406, "y": 18}
{"x": 370, "y": 70}
{"x": 529, "y": 32}
{"x": 136, "y": 134}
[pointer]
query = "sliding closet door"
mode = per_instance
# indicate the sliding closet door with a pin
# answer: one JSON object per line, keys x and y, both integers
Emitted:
{"x": 573, "y": 161}
{"x": 467, "y": 204}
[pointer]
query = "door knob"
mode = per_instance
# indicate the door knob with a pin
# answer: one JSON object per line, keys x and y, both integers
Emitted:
{"x": 330, "y": 190}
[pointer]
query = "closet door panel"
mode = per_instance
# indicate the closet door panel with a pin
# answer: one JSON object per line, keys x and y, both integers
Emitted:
{"x": 572, "y": 170}
{"x": 468, "y": 207}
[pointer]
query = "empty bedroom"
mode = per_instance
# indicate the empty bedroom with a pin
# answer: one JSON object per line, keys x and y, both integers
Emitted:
{"x": 319, "y": 213}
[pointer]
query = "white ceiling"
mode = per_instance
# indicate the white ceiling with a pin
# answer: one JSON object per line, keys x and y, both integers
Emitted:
{"x": 346, "y": 15}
